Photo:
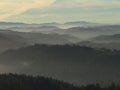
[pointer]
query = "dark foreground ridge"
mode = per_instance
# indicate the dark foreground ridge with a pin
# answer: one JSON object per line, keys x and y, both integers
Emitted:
{"x": 80, "y": 65}
{"x": 25, "y": 82}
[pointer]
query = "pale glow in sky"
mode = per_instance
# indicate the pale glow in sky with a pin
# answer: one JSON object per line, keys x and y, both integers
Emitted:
{"x": 41, "y": 11}
{"x": 14, "y": 7}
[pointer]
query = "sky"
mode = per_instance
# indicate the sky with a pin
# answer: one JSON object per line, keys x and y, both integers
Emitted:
{"x": 46, "y": 11}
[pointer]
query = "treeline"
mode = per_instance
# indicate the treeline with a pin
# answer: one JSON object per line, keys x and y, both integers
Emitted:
{"x": 26, "y": 82}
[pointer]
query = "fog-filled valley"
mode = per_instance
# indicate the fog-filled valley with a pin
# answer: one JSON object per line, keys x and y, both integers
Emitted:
{"x": 75, "y": 52}
{"x": 82, "y": 33}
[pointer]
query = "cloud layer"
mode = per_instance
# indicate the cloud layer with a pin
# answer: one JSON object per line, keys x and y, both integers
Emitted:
{"x": 86, "y": 3}
{"x": 14, "y": 7}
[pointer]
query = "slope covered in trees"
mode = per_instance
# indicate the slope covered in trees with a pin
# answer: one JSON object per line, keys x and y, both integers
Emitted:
{"x": 23, "y": 82}
{"x": 71, "y": 63}
{"x": 26, "y": 82}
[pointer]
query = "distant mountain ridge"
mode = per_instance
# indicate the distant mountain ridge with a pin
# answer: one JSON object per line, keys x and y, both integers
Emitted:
{"x": 12, "y": 39}
{"x": 115, "y": 38}
{"x": 52, "y": 23}
{"x": 67, "y": 24}
{"x": 103, "y": 41}
{"x": 11, "y": 42}
{"x": 80, "y": 23}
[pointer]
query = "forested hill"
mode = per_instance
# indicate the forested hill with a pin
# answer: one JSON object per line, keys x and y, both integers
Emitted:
{"x": 23, "y": 82}
{"x": 71, "y": 63}
{"x": 26, "y": 82}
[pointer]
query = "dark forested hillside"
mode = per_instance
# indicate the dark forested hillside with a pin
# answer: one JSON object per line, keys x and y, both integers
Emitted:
{"x": 111, "y": 45}
{"x": 26, "y": 82}
{"x": 23, "y": 82}
{"x": 71, "y": 63}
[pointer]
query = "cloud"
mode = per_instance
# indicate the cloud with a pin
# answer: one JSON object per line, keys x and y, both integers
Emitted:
{"x": 14, "y": 7}
{"x": 86, "y": 3}
{"x": 99, "y": 3}
{"x": 34, "y": 11}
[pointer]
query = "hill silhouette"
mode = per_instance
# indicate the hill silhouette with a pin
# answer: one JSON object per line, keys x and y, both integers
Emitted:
{"x": 27, "y": 82}
{"x": 71, "y": 63}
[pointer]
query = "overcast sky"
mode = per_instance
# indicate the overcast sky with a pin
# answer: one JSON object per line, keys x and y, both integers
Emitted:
{"x": 43, "y": 11}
